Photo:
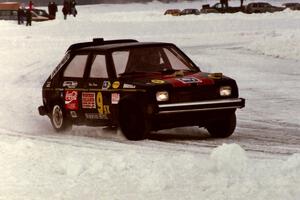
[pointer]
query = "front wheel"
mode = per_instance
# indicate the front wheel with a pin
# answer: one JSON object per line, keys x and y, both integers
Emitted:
{"x": 222, "y": 128}
{"x": 59, "y": 120}
{"x": 132, "y": 119}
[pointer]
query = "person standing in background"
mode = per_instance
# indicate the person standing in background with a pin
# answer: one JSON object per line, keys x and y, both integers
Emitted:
{"x": 66, "y": 8}
{"x": 28, "y": 17}
{"x": 21, "y": 15}
{"x": 73, "y": 8}
{"x": 52, "y": 9}
{"x": 30, "y": 5}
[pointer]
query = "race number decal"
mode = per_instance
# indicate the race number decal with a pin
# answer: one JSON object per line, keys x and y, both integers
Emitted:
{"x": 100, "y": 103}
{"x": 102, "y": 109}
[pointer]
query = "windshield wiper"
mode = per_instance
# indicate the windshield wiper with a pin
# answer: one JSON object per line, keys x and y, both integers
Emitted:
{"x": 137, "y": 72}
{"x": 167, "y": 70}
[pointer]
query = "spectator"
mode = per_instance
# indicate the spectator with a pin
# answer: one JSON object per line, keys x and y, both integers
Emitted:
{"x": 73, "y": 8}
{"x": 28, "y": 17}
{"x": 30, "y": 5}
{"x": 242, "y": 1}
{"x": 52, "y": 9}
{"x": 21, "y": 15}
{"x": 66, "y": 9}
{"x": 224, "y": 3}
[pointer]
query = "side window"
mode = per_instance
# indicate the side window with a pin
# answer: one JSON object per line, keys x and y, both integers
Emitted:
{"x": 98, "y": 69}
{"x": 120, "y": 59}
{"x": 76, "y": 67}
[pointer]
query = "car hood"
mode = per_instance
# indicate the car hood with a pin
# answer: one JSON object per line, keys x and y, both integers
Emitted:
{"x": 177, "y": 79}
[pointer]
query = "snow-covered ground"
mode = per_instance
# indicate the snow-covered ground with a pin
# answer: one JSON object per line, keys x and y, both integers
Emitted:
{"x": 261, "y": 160}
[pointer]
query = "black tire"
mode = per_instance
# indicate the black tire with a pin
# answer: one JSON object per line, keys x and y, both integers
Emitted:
{"x": 132, "y": 120}
{"x": 222, "y": 128}
{"x": 59, "y": 120}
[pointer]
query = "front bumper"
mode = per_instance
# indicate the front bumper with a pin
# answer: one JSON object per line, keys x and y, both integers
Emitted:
{"x": 210, "y": 105}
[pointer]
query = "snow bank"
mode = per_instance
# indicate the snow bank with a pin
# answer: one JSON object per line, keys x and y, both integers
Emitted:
{"x": 33, "y": 169}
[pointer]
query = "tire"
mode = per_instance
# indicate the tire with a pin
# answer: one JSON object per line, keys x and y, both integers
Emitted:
{"x": 59, "y": 120}
{"x": 222, "y": 128}
{"x": 132, "y": 120}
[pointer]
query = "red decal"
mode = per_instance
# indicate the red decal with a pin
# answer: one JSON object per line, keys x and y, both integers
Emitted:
{"x": 88, "y": 100}
{"x": 71, "y": 100}
{"x": 190, "y": 80}
{"x": 115, "y": 98}
{"x": 205, "y": 80}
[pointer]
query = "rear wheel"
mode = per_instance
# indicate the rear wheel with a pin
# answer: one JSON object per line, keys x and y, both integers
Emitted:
{"x": 59, "y": 120}
{"x": 222, "y": 128}
{"x": 133, "y": 122}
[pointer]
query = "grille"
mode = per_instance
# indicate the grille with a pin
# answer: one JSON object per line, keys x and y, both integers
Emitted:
{"x": 194, "y": 94}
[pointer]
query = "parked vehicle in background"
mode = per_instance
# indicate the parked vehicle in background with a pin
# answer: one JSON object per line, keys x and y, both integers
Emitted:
{"x": 173, "y": 12}
{"x": 262, "y": 7}
{"x": 139, "y": 87}
{"x": 190, "y": 11}
{"x": 9, "y": 10}
{"x": 40, "y": 15}
{"x": 292, "y": 6}
{"x": 218, "y": 8}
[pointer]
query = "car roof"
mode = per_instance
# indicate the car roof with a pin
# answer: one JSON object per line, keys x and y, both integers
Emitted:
{"x": 109, "y": 45}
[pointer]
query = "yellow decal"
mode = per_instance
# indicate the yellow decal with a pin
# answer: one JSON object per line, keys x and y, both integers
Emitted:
{"x": 102, "y": 109}
{"x": 158, "y": 81}
{"x": 106, "y": 110}
{"x": 116, "y": 84}
{"x": 100, "y": 103}
{"x": 215, "y": 75}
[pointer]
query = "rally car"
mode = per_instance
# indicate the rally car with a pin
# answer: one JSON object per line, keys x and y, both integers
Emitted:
{"x": 139, "y": 87}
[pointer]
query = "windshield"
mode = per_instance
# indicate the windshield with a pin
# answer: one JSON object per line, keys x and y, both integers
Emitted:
{"x": 150, "y": 60}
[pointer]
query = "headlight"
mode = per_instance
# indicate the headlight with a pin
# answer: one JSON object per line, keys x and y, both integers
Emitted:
{"x": 162, "y": 96}
{"x": 225, "y": 91}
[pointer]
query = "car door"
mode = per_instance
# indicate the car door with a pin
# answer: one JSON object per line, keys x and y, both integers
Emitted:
{"x": 72, "y": 84}
{"x": 96, "y": 99}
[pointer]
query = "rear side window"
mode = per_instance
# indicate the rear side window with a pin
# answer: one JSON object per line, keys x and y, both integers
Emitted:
{"x": 120, "y": 59}
{"x": 98, "y": 69}
{"x": 76, "y": 67}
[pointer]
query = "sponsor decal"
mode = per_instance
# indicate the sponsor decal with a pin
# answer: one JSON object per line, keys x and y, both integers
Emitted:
{"x": 125, "y": 85}
{"x": 116, "y": 84}
{"x": 95, "y": 116}
{"x": 215, "y": 75}
{"x": 179, "y": 73}
{"x": 157, "y": 81}
{"x": 115, "y": 98}
{"x": 189, "y": 80}
{"x": 88, "y": 100}
{"x": 102, "y": 109}
{"x": 93, "y": 84}
{"x": 106, "y": 85}
{"x": 73, "y": 114}
{"x": 195, "y": 79}
{"x": 70, "y": 84}
{"x": 71, "y": 100}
